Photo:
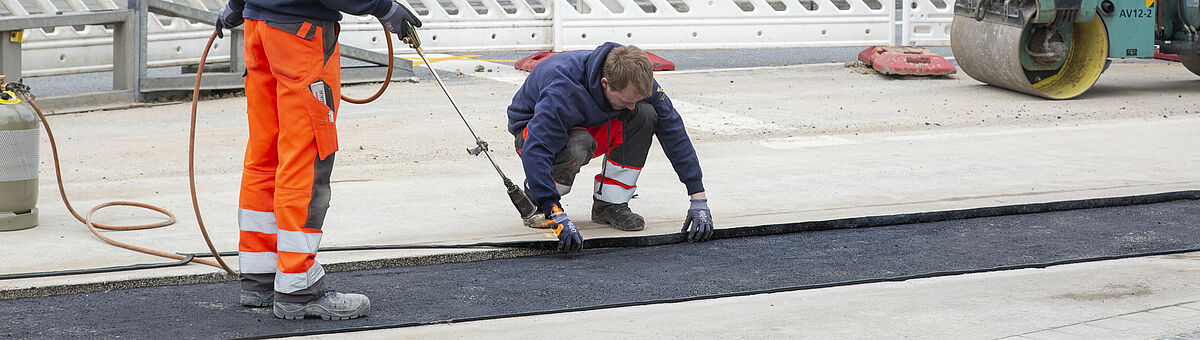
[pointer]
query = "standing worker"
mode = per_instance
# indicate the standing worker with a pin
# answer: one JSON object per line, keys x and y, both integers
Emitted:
{"x": 578, "y": 105}
{"x": 293, "y": 86}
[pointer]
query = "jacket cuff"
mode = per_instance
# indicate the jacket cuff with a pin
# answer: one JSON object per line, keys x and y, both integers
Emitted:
{"x": 694, "y": 186}
{"x": 548, "y": 206}
{"x": 237, "y": 6}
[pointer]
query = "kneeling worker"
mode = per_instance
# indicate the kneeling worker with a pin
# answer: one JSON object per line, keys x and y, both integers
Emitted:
{"x": 579, "y": 105}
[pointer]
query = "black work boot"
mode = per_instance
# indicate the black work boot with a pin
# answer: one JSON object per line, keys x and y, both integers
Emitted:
{"x": 617, "y": 216}
{"x": 257, "y": 299}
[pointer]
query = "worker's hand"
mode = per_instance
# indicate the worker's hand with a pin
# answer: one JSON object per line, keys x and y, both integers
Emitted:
{"x": 395, "y": 18}
{"x": 699, "y": 218}
{"x": 569, "y": 239}
{"x": 227, "y": 18}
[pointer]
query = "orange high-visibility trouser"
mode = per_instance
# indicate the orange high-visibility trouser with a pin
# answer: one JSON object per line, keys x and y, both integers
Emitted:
{"x": 292, "y": 92}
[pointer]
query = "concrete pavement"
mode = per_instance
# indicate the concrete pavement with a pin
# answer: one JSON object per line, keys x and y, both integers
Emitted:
{"x": 1143, "y": 298}
{"x": 778, "y": 144}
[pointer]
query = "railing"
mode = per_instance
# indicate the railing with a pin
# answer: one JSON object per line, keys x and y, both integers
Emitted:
{"x": 49, "y": 41}
{"x": 126, "y": 37}
{"x": 495, "y": 25}
{"x": 124, "y": 57}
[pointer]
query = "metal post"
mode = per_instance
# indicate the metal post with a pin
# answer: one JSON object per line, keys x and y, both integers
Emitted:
{"x": 134, "y": 37}
{"x": 125, "y": 61}
{"x": 10, "y": 54}
{"x": 237, "y": 46}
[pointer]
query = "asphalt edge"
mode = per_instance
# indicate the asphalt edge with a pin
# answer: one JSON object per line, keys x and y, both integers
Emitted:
{"x": 178, "y": 280}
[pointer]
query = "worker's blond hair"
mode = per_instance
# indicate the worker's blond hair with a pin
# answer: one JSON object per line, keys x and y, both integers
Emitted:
{"x": 628, "y": 65}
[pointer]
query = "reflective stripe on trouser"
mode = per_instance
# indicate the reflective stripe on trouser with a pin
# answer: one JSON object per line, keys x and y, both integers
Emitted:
{"x": 293, "y": 82}
{"x": 627, "y": 150}
{"x": 619, "y": 183}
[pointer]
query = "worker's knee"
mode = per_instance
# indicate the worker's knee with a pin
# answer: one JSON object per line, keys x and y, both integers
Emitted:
{"x": 578, "y": 150}
{"x": 642, "y": 117}
{"x": 575, "y": 154}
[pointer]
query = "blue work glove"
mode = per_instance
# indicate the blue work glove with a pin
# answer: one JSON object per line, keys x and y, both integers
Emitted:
{"x": 699, "y": 218}
{"x": 227, "y": 18}
{"x": 395, "y": 18}
{"x": 569, "y": 239}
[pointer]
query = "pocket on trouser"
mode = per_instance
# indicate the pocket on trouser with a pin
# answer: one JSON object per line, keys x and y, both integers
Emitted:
{"x": 296, "y": 44}
{"x": 320, "y": 111}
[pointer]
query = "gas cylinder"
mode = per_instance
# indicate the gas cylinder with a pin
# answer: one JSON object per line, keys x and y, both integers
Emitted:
{"x": 19, "y": 141}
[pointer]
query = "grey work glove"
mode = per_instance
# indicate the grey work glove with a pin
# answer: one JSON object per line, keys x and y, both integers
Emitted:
{"x": 699, "y": 218}
{"x": 395, "y": 18}
{"x": 227, "y": 18}
{"x": 569, "y": 239}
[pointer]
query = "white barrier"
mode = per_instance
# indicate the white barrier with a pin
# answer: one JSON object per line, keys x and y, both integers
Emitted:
{"x": 455, "y": 26}
{"x": 723, "y": 24}
{"x": 926, "y": 22}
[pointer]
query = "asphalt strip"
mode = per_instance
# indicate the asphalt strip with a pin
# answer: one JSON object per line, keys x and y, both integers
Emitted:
{"x": 830, "y": 253}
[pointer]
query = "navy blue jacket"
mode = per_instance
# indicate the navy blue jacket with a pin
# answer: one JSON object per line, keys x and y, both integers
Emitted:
{"x": 292, "y": 11}
{"x": 564, "y": 91}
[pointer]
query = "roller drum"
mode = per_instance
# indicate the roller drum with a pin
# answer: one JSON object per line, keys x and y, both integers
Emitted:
{"x": 1191, "y": 61}
{"x": 991, "y": 52}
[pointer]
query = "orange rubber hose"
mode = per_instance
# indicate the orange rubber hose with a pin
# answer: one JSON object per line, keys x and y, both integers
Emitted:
{"x": 92, "y": 226}
{"x": 387, "y": 79}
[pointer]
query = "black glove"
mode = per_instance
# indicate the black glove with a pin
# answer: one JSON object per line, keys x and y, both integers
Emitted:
{"x": 700, "y": 219}
{"x": 395, "y": 18}
{"x": 227, "y": 18}
{"x": 569, "y": 239}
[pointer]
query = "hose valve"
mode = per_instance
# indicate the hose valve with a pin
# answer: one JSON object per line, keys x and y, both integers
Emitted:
{"x": 480, "y": 146}
{"x": 18, "y": 88}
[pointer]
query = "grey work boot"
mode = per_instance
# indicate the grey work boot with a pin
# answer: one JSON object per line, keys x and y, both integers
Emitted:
{"x": 331, "y": 306}
{"x": 257, "y": 299}
{"x": 617, "y": 216}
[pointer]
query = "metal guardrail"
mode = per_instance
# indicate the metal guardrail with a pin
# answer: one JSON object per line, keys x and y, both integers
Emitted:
{"x": 456, "y": 26}
{"x": 101, "y": 35}
{"x": 126, "y": 59}
{"x": 125, "y": 30}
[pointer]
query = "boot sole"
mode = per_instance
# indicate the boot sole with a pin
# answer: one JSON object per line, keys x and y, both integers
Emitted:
{"x": 614, "y": 226}
{"x": 256, "y": 304}
{"x": 325, "y": 314}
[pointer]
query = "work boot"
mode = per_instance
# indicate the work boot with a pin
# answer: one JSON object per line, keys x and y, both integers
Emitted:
{"x": 257, "y": 299}
{"x": 617, "y": 216}
{"x": 331, "y": 306}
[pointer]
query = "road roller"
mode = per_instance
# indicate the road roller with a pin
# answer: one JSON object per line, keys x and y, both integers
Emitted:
{"x": 1058, "y": 48}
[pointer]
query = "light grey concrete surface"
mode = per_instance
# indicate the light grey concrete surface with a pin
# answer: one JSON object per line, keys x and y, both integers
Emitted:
{"x": 1142, "y": 298}
{"x": 777, "y": 144}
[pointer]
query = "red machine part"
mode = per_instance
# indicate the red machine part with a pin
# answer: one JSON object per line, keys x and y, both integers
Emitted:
{"x": 905, "y": 60}
{"x": 528, "y": 63}
{"x": 1164, "y": 56}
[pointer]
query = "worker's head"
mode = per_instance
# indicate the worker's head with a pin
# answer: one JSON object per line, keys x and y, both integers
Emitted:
{"x": 628, "y": 77}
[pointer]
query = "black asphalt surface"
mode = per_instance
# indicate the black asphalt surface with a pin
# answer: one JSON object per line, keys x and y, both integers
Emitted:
{"x": 626, "y": 275}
